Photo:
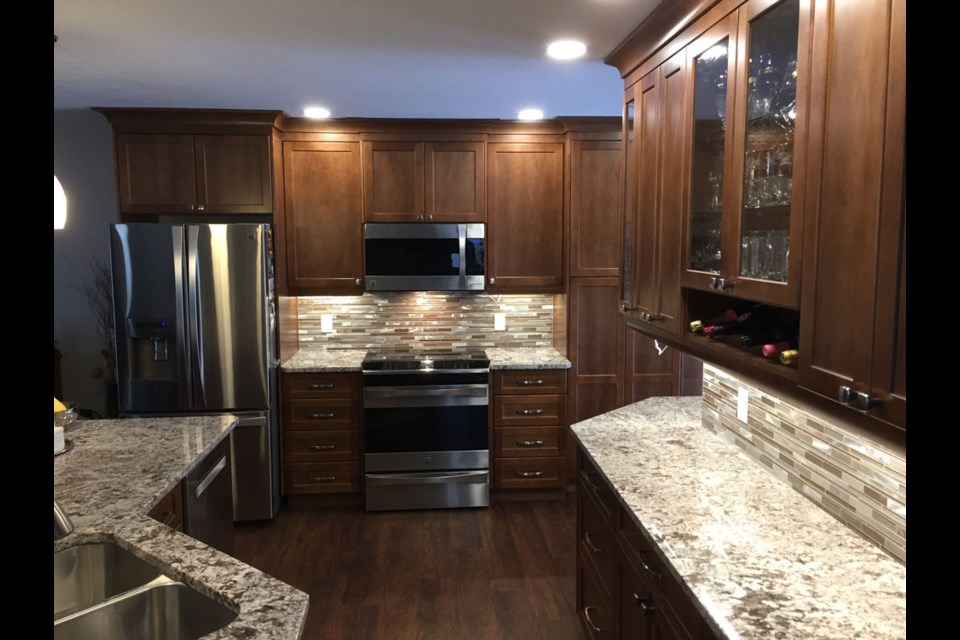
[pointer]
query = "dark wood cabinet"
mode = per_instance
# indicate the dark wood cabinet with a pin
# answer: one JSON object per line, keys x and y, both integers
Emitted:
{"x": 529, "y": 429}
{"x": 169, "y": 510}
{"x": 525, "y": 188}
{"x": 595, "y": 190}
{"x": 853, "y": 316}
{"x": 423, "y": 181}
{"x": 321, "y": 439}
{"x": 323, "y": 230}
{"x": 625, "y": 588}
{"x": 167, "y": 173}
{"x": 596, "y": 338}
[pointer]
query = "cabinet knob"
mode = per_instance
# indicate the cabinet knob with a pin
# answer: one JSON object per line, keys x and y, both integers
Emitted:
{"x": 200, "y": 207}
{"x": 429, "y": 216}
{"x": 864, "y": 401}
{"x": 644, "y": 604}
{"x": 529, "y": 474}
{"x": 191, "y": 207}
{"x": 530, "y": 383}
{"x": 357, "y": 282}
{"x": 493, "y": 281}
{"x": 419, "y": 217}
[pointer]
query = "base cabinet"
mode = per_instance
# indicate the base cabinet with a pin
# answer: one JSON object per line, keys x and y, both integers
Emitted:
{"x": 169, "y": 510}
{"x": 625, "y": 587}
{"x": 321, "y": 433}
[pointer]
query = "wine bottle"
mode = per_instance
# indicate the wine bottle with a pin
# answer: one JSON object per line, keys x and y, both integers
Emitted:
{"x": 789, "y": 357}
{"x": 774, "y": 350}
{"x": 730, "y": 315}
{"x": 728, "y": 328}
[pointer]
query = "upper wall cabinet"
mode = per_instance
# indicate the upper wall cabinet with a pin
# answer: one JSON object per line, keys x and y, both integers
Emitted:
{"x": 595, "y": 208}
{"x": 750, "y": 78}
{"x": 526, "y": 194}
{"x": 853, "y": 319}
{"x": 165, "y": 173}
{"x": 423, "y": 181}
{"x": 322, "y": 236}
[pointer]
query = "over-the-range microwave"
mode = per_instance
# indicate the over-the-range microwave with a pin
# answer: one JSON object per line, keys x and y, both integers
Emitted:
{"x": 419, "y": 256}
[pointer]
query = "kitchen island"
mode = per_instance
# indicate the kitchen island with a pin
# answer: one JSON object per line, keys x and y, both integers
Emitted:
{"x": 120, "y": 469}
{"x": 346, "y": 360}
{"x": 756, "y": 559}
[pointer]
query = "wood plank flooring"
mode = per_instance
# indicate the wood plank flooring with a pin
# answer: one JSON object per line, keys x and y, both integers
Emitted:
{"x": 507, "y": 571}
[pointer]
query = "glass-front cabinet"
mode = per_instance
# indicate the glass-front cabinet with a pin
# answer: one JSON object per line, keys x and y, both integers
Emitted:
{"x": 744, "y": 227}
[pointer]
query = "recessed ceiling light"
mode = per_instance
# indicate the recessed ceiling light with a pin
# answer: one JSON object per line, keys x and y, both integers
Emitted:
{"x": 530, "y": 114}
{"x": 566, "y": 49}
{"x": 317, "y": 113}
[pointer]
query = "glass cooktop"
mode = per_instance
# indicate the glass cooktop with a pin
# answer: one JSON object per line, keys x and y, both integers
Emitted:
{"x": 424, "y": 360}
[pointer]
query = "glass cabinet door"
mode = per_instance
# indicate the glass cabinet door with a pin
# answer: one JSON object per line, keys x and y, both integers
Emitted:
{"x": 765, "y": 138}
{"x": 627, "y": 293}
{"x": 711, "y": 57}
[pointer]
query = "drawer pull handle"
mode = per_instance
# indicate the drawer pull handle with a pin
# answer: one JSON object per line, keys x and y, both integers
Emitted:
{"x": 323, "y": 447}
{"x": 323, "y": 416}
{"x": 529, "y": 474}
{"x": 643, "y": 603}
{"x": 322, "y": 385}
{"x": 587, "y": 537}
{"x": 323, "y": 478}
{"x": 530, "y": 383}
{"x": 530, "y": 412}
{"x": 586, "y": 615}
{"x": 656, "y": 575}
{"x": 529, "y": 443}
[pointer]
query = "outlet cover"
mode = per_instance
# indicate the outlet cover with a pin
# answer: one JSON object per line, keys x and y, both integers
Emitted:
{"x": 499, "y": 322}
{"x": 743, "y": 401}
{"x": 326, "y": 323}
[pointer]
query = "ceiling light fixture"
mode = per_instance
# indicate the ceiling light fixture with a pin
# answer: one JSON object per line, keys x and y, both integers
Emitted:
{"x": 530, "y": 114}
{"x": 566, "y": 49}
{"x": 317, "y": 113}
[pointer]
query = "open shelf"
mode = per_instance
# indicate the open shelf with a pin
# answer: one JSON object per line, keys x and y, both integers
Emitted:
{"x": 718, "y": 352}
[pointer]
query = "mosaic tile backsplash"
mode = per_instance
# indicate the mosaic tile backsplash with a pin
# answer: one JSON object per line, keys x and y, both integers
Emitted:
{"x": 860, "y": 482}
{"x": 426, "y": 320}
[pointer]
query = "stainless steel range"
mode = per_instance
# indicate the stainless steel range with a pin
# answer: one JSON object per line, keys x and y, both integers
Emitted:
{"x": 426, "y": 434}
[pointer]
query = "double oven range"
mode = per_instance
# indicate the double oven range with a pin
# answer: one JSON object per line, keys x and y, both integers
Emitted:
{"x": 426, "y": 429}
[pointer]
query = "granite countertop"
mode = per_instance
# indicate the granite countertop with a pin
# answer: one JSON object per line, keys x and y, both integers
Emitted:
{"x": 341, "y": 360}
{"x": 762, "y": 560}
{"x": 120, "y": 469}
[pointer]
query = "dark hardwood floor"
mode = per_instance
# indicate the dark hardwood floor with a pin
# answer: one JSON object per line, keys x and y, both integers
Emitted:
{"x": 507, "y": 571}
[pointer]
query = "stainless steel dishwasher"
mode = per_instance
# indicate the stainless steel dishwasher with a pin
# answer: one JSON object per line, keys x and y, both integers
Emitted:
{"x": 208, "y": 500}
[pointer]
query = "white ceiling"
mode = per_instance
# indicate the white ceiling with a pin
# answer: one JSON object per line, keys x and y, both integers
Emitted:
{"x": 359, "y": 58}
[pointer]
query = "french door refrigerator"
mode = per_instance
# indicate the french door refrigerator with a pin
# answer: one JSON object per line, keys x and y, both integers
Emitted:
{"x": 195, "y": 326}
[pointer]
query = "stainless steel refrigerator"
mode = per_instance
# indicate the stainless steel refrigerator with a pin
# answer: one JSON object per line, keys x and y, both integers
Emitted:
{"x": 196, "y": 334}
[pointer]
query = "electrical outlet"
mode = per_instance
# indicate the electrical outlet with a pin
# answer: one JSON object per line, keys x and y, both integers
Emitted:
{"x": 743, "y": 401}
{"x": 499, "y": 322}
{"x": 326, "y": 323}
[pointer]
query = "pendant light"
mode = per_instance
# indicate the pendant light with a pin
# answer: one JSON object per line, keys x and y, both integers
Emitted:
{"x": 59, "y": 205}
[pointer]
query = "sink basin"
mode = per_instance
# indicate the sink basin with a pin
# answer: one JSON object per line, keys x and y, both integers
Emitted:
{"x": 161, "y": 611}
{"x": 103, "y": 591}
{"x": 91, "y": 573}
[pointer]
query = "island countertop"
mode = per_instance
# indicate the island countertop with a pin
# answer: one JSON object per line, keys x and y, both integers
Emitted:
{"x": 119, "y": 469}
{"x": 760, "y": 560}
{"x": 345, "y": 360}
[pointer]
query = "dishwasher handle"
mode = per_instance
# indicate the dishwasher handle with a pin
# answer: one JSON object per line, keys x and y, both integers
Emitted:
{"x": 211, "y": 476}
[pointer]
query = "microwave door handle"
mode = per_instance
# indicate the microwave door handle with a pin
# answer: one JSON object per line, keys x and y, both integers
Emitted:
{"x": 462, "y": 237}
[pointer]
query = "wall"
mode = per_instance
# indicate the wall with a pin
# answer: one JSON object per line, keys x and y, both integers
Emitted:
{"x": 859, "y": 481}
{"x": 432, "y": 320}
{"x": 83, "y": 161}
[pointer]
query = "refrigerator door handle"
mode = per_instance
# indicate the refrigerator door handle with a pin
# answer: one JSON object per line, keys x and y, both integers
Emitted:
{"x": 195, "y": 311}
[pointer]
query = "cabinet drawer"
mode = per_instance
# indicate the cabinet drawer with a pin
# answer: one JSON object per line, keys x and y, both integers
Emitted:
{"x": 322, "y": 477}
{"x": 322, "y": 446}
{"x": 530, "y": 381}
{"x": 516, "y": 411}
{"x": 332, "y": 413}
{"x": 593, "y": 606}
{"x": 320, "y": 385}
{"x": 593, "y": 482}
{"x": 596, "y": 541}
{"x": 643, "y": 556}
{"x": 528, "y": 473}
{"x": 528, "y": 442}
{"x": 641, "y": 608}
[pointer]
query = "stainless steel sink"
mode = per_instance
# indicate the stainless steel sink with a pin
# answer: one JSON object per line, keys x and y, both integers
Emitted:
{"x": 164, "y": 610}
{"x": 102, "y": 591}
{"x": 87, "y": 574}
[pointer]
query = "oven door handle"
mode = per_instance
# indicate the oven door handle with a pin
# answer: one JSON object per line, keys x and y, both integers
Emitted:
{"x": 428, "y": 391}
{"x": 427, "y": 477}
